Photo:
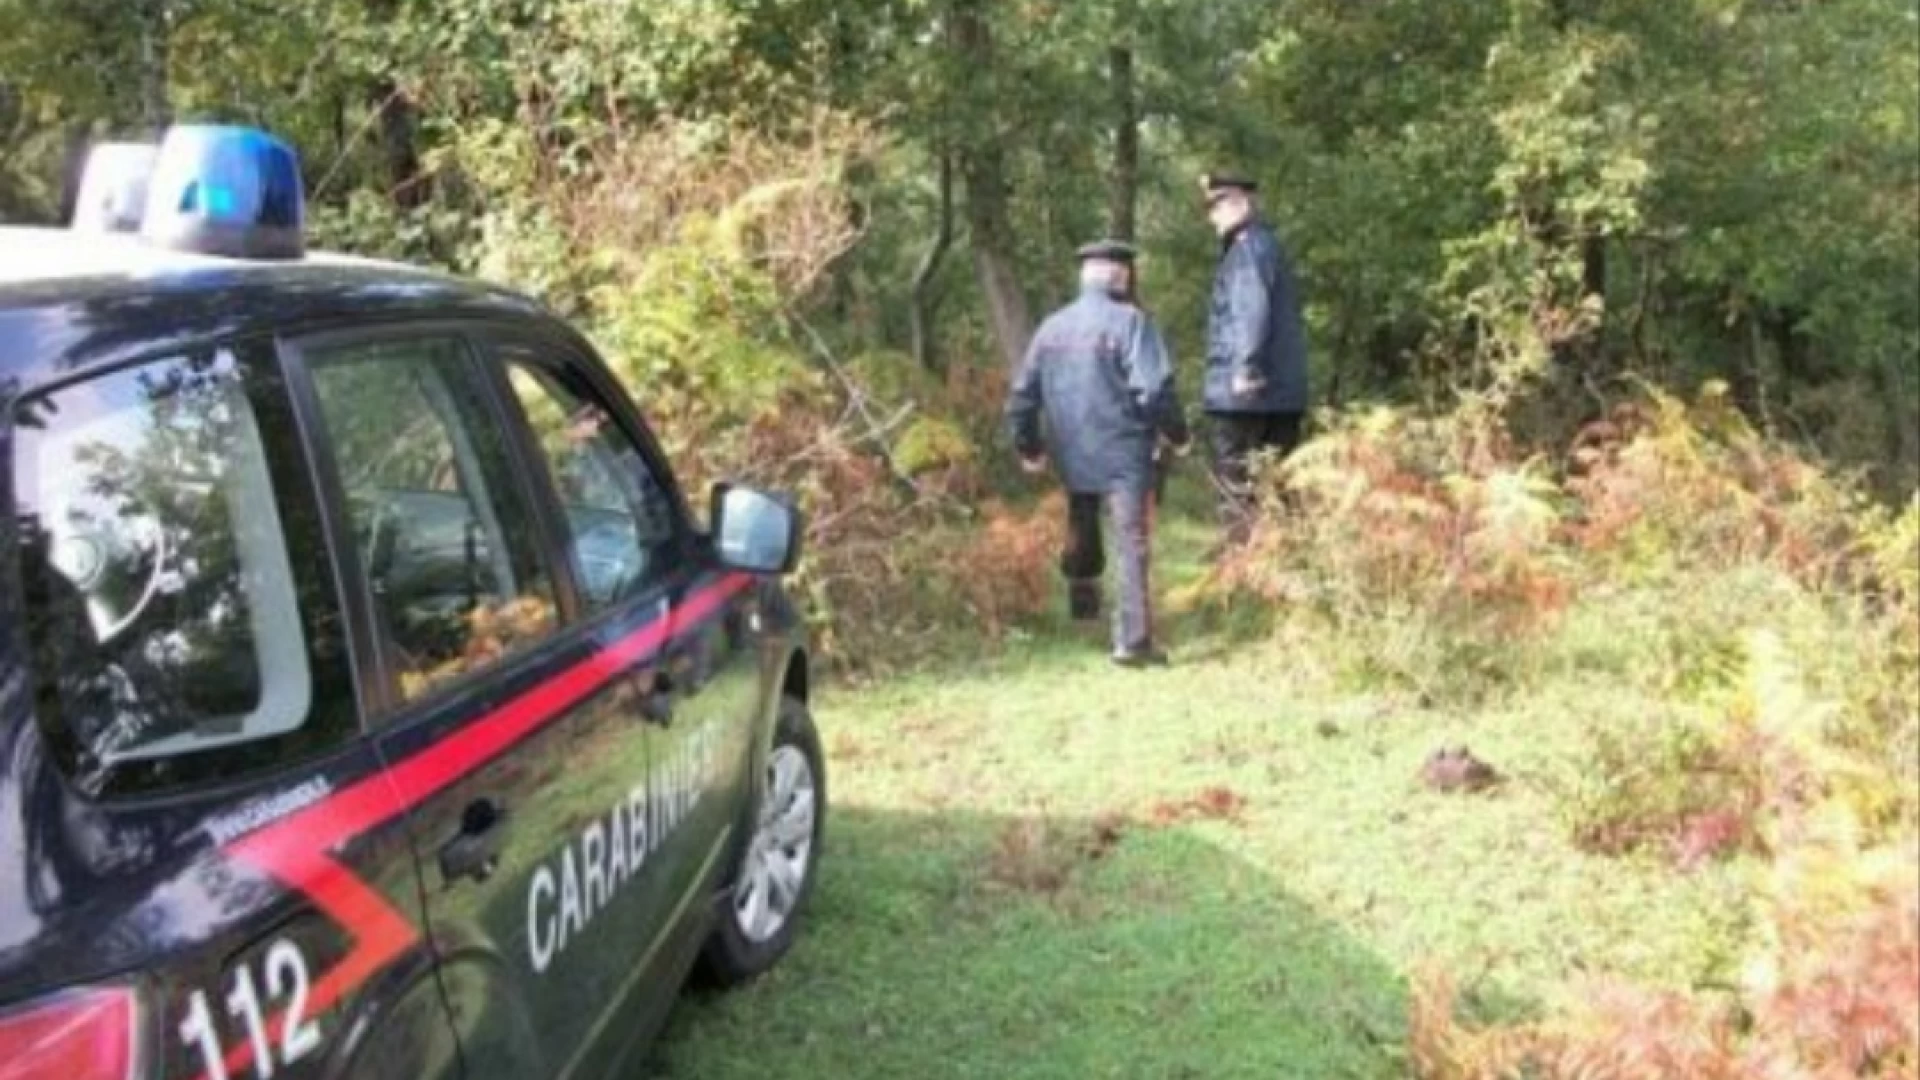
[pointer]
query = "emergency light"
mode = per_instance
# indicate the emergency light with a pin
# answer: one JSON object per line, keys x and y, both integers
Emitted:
{"x": 113, "y": 189}
{"x": 206, "y": 188}
{"x": 230, "y": 191}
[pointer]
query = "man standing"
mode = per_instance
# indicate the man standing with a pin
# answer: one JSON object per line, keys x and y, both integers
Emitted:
{"x": 1098, "y": 372}
{"x": 1256, "y": 382}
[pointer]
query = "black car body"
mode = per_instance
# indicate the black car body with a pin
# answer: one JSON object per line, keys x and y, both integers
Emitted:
{"x": 370, "y": 704}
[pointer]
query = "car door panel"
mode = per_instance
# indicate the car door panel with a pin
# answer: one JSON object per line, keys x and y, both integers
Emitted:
{"x": 608, "y": 485}
{"x": 538, "y": 938}
{"x": 511, "y": 737}
{"x": 315, "y": 878}
{"x": 226, "y": 830}
{"x": 717, "y": 703}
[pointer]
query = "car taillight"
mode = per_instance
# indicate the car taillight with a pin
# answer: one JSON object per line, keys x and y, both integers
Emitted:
{"x": 86, "y": 1035}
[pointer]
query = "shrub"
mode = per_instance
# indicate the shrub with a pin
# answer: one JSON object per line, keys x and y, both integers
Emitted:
{"x": 1429, "y": 528}
{"x": 1834, "y": 992}
{"x": 1005, "y": 572}
{"x": 1742, "y": 774}
{"x": 931, "y": 445}
{"x": 1662, "y": 488}
{"x": 690, "y": 254}
{"x": 1658, "y": 780}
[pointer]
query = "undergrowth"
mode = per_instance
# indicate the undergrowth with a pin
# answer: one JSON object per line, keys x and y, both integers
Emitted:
{"x": 694, "y": 258}
{"x": 1767, "y": 607}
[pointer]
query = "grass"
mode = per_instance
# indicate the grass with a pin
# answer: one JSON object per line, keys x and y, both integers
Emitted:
{"x": 1039, "y": 866}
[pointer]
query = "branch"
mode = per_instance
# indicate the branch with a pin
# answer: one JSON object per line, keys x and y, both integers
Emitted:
{"x": 359, "y": 133}
{"x": 876, "y": 429}
{"x": 920, "y": 306}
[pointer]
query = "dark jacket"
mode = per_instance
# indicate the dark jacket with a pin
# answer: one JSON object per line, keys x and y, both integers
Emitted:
{"x": 1254, "y": 326}
{"x": 1099, "y": 373}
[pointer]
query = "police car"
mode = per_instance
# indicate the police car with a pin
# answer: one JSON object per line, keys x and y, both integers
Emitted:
{"x": 370, "y": 703}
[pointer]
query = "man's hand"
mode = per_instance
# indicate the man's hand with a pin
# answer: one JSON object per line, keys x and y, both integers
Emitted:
{"x": 1247, "y": 384}
{"x": 1033, "y": 466}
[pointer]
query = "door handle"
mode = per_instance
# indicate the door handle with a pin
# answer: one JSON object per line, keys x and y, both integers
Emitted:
{"x": 680, "y": 673}
{"x": 689, "y": 666}
{"x": 656, "y": 704}
{"x": 475, "y": 851}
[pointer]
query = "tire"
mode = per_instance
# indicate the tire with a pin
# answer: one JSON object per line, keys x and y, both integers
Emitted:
{"x": 751, "y": 935}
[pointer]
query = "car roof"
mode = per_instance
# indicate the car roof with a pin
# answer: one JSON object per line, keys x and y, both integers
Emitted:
{"x": 71, "y": 301}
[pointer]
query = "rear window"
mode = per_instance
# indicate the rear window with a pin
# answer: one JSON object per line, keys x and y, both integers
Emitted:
{"x": 176, "y": 613}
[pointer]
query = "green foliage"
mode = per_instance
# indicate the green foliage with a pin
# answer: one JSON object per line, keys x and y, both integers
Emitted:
{"x": 1525, "y": 194}
{"x": 930, "y": 444}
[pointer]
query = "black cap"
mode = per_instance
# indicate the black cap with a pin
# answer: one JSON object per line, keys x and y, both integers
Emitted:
{"x": 1109, "y": 250}
{"x": 1218, "y": 184}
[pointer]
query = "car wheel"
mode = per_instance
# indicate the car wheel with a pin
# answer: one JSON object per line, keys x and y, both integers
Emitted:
{"x": 762, "y": 907}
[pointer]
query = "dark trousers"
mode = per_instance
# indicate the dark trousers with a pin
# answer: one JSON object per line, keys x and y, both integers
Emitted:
{"x": 1085, "y": 560}
{"x": 1236, "y": 438}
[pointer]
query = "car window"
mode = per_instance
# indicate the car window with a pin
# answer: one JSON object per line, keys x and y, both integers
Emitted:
{"x": 622, "y": 532}
{"x": 444, "y": 539}
{"x": 167, "y": 613}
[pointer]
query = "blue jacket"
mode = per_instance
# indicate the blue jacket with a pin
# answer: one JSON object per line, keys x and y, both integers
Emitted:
{"x": 1254, "y": 326}
{"x": 1098, "y": 372}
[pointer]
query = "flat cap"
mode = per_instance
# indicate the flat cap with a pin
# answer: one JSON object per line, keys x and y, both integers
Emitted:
{"x": 1216, "y": 184}
{"x": 1109, "y": 250}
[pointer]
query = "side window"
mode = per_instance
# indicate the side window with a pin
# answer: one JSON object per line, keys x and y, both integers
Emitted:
{"x": 443, "y": 535}
{"x": 176, "y": 597}
{"x": 622, "y": 532}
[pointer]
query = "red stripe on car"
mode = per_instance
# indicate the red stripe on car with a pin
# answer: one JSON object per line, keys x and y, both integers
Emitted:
{"x": 298, "y": 849}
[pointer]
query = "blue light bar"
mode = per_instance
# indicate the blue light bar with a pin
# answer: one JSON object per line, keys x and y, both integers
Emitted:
{"x": 232, "y": 191}
{"x": 113, "y": 188}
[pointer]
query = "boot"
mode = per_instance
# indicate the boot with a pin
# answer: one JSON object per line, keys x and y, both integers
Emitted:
{"x": 1140, "y": 656}
{"x": 1083, "y": 600}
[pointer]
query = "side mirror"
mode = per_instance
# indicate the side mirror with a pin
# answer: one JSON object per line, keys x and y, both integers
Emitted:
{"x": 754, "y": 531}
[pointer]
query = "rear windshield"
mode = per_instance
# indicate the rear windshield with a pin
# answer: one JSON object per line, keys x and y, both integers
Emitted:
{"x": 169, "y": 616}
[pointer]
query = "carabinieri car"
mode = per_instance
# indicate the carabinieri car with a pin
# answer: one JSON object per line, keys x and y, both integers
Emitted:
{"x": 371, "y": 704}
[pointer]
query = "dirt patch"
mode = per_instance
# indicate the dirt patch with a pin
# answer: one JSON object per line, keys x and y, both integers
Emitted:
{"x": 845, "y": 748}
{"x": 1041, "y": 854}
{"x": 1210, "y": 804}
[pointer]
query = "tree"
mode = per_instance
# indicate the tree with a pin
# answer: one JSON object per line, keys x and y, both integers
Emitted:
{"x": 984, "y": 171}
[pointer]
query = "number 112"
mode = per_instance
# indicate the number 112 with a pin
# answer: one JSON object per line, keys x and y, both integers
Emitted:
{"x": 299, "y": 1036}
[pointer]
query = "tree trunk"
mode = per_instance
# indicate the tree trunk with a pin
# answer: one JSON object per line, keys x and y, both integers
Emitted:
{"x": 74, "y": 165}
{"x": 921, "y": 309}
{"x": 399, "y": 123}
{"x": 156, "y": 111}
{"x": 1749, "y": 382}
{"x": 983, "y": 171}
{"x": 1894, "y": 382}
{"x": 1123, "y": 191}
{"x": 1593, "y": 274}
{"x": 1006, "y": 303}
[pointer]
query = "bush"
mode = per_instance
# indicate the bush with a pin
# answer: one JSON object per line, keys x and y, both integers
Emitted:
{"x": 1429, "y": 529}
{"x": 1834, "y": 992}
{"x": 1742, "y": 774}
{"x": 1785, "y": 654}
{"x": 1663, "y": 488}
{"x": 931, "y": 445}
{"x": 690, "y": 254}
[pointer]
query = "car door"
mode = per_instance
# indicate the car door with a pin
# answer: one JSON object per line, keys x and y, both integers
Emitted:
{"x": 627, "y": 526}
{"x": 200, "y": 804}
{"x": 508, "y": 717}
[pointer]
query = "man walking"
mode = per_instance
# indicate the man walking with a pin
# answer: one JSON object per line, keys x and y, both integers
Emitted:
{"x": 1098, "y": 372}
{"x": 1256, "y": 381}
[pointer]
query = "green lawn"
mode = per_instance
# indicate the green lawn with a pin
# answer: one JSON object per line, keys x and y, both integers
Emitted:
{"x": 1039, "y": 866}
